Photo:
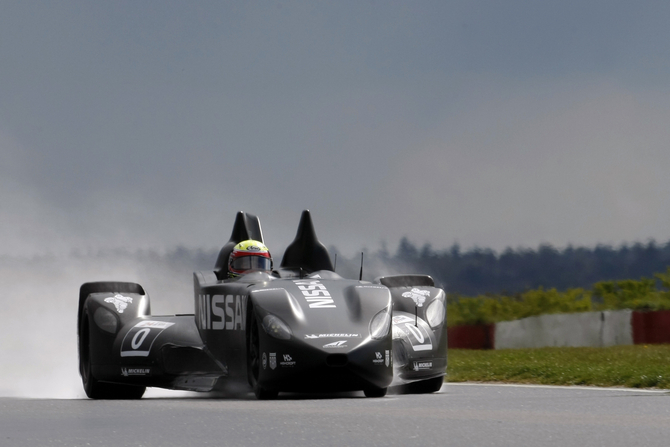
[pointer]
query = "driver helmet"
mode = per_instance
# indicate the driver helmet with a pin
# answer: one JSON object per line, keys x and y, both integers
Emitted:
{"x": 249, "y": 255}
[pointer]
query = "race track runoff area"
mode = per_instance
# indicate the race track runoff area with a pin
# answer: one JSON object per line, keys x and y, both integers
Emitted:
{"x": 458, "y": 415}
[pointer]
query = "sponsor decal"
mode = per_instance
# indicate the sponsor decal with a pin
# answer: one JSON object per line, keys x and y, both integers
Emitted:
{"x": 265, "y": 361}
{"x": 336, "y": 344}
{"x": 388, "y": 357}
{"x": 288, "y": 361}
{"x": 399, "y": 319}
{"x": 119, "y": 301}
{"x": 418, "y": 366}
{"x": 222, "y": 312}
{"x": 417, "y": 295}
{"x": 417, "y": 334}
{"x": 315, "y": 294}
{"x": 379, "y": 358}
{"x": 311, "y": 336}
{"x": 126, "y": 372}
{"x": 273, "y": 360}
{"x": 138, "y": 340}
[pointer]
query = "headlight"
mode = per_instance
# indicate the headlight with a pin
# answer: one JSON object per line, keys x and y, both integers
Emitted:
{"x": 435, "y": 311}
{"x": 380, "y": 325}
{"x": 276, "y": 328}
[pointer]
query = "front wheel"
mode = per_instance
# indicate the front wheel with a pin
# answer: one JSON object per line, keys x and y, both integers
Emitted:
{"x": 254, "y": 362}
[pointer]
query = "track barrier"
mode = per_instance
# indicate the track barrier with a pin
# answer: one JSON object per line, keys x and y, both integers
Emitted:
{"x": 595, "y": 329}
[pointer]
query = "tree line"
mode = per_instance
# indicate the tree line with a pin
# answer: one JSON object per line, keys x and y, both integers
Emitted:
{"x": 480, "y": 271}
{"x": 471, "y": 272}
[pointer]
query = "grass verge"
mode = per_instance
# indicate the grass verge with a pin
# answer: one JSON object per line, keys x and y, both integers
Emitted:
{"x": 640, "y": 366}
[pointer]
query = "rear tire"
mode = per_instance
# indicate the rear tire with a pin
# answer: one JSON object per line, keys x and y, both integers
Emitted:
{"x": 375, "y": 392}
{"x": 94, "y": 388}
{"x": 254, "y": 362}
{"x": 425, "y": 386}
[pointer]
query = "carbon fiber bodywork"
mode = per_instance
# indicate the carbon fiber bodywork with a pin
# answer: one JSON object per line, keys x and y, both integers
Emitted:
{"x": 301, "y": 328}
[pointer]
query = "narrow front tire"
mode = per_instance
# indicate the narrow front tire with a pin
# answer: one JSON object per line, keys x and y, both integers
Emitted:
{"x": 254, "y": 362}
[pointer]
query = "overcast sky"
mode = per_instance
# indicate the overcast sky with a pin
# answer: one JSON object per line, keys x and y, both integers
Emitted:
{"x": 491, "y": 123}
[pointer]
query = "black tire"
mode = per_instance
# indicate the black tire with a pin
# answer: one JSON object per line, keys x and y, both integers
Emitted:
{"x": 254, "y": 362}
{"x": 93, "y": 388}
{"x": 425, "y": 386}
{"x": 375, "y": 392}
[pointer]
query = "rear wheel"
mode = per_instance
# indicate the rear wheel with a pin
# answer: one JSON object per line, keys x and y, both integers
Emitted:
{"x": 375, "y": 392}
{"x": 93, "y": 388}
{"x": 254, "y": 362}
{"x": 425, "y": 386}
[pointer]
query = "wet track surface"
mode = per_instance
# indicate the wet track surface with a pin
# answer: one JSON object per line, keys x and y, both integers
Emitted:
{"x": 459, "y": 415}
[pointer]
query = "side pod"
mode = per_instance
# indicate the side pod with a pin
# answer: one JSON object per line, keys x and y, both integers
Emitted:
{"x": 104, "y": 307}
{"x": 419, "y": 333}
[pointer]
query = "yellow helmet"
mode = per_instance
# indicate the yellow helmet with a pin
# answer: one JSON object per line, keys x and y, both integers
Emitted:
{"x": 249, "y": 255}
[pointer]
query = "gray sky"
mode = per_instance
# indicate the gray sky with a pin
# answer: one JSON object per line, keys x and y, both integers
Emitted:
{"x": 149, "y": 124}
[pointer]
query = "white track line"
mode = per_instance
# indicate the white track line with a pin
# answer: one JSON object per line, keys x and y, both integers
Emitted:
{"x": 567, "y": 387}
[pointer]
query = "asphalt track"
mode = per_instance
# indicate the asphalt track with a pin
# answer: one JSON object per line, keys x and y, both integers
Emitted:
{"x": 459, "y": 415}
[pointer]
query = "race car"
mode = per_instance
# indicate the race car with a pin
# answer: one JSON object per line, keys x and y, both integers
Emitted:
{"x": 300, "y": 327}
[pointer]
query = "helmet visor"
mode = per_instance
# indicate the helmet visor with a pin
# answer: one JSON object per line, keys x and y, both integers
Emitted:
{"x": 244, "y": 263}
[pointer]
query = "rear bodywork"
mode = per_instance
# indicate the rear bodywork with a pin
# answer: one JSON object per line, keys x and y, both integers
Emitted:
{"x": 301, "y": 328}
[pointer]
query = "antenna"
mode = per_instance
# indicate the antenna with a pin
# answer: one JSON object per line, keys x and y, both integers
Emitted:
{"x": 360, "y": 277}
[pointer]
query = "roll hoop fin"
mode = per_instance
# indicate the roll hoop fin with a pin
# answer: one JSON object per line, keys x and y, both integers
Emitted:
{"x": 306, "y": 251}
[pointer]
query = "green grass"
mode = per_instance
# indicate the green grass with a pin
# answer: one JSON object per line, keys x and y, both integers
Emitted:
{"x": 643, "y": 294}
{"x": 641, "y": 366}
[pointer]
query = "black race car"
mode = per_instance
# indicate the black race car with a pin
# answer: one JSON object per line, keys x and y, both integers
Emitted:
{"x": 300, "y": 328}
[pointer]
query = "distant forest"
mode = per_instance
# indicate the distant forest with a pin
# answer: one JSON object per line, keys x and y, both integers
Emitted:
{"x": 478, "y": 270}
{"x": 481, "y": 271}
